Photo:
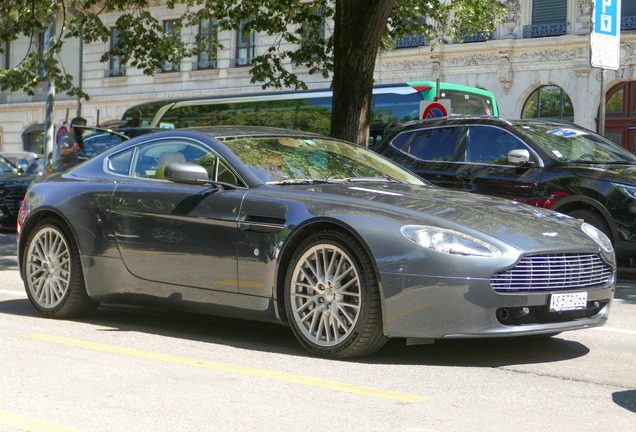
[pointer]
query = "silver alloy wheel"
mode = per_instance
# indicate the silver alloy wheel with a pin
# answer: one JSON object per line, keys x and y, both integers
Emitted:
{"x": 325, "y": 295}
{"x": 48, "y": 268}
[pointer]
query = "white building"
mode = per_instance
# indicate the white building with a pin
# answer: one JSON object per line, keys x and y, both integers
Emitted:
{"x": 536, "y": 64}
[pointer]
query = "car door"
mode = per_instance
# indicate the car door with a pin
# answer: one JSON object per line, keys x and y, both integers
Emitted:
{"x": 431, "y": 153}
{"x": 486, "y": 169}
{"x": 170, "y": 232}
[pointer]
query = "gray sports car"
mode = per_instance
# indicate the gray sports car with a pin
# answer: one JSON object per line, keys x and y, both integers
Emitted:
{"x": 339, "y": 243}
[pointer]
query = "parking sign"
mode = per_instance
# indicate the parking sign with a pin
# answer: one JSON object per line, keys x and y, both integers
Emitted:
{"x": 605, "y": 37}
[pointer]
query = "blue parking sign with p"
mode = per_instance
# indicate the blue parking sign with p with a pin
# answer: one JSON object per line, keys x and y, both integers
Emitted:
{"x": 606, "y": 17}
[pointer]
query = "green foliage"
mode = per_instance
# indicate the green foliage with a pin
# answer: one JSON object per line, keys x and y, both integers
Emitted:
{"x": 143, "y": 44}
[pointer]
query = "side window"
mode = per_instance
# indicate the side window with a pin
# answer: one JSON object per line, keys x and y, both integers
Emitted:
{"x": 400, "y": 141}
{"x": 120, "y": 163}
{"x": 435, "y": 144}
{"x": 226, "y": 175}
{"x": 97, "y": 143}
{"x": 490, "y": 145}
{"x": 151, "y": 159}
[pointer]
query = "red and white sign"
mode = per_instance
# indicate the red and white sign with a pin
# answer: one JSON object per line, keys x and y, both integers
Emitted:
{"x": 60, "y": 131}
{"x": 435, "y": 109}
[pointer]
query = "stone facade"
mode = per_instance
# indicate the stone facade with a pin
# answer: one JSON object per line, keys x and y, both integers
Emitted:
{"x": 508, "y": 65}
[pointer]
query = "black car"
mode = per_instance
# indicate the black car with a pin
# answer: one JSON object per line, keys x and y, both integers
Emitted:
{"x": 344, "y": 246}
{"x": 545, "y": 164}
{"x": 13, "y": 186}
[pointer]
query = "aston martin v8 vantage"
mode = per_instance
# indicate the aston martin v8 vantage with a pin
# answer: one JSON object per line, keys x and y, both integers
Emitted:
{"x": 337, "y": 242}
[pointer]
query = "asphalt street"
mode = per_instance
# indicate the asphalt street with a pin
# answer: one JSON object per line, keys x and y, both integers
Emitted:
{"x": 133, "y": 369}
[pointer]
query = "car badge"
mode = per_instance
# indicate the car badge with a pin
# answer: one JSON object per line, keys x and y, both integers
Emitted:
{"x": 551, "y": 234}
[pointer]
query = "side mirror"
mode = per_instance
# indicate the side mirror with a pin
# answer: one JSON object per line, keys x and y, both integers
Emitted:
{"x": 189, "y": 173}
{"x": 519, "y": 157}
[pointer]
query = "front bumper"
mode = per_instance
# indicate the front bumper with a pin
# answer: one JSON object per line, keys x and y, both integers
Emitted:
{"x": 435, "y": 307}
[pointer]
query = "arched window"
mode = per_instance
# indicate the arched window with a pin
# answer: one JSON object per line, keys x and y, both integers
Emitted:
{"x": 549, "y": 102}
{"x": 620, "y": 114}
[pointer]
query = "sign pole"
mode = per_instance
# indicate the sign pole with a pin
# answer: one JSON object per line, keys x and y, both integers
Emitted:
{"x": 605, "y": 39}
{"x": 601, "y": 114}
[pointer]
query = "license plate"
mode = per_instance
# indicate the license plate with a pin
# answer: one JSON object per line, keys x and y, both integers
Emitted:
{"x": 568, "y": 302}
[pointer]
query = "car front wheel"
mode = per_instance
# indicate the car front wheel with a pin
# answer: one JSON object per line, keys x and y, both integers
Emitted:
{"x": 52, "y": 272}
{"x": 332, "y": 297}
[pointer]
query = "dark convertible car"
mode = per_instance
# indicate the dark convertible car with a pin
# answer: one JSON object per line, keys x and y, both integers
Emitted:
{"x": 339, "y": 243}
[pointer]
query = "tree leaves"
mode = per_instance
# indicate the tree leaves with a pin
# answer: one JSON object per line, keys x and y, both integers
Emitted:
{"x": 295, "y": 29}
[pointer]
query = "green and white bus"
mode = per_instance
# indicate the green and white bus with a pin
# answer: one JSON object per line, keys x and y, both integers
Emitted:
{"x": 308, "y": 110}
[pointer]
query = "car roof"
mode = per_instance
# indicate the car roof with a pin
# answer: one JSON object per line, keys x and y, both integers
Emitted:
{"x": 458, "y": 120}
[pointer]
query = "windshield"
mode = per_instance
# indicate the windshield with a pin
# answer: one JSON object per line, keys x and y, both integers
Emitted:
{"x": 571, "y": 144}
{"x": 281, "y": 160}
{"x": 5, "y": 166}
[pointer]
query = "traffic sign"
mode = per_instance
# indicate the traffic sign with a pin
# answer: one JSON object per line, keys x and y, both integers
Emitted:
{"x": 60, "y": 132}
{"x": 605, "y": 37}
{"x": 435, "y": 109}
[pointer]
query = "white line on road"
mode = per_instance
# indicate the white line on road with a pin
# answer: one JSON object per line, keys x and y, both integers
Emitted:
{"x": 615, "y": 330}
{"x": 15, "y": 293}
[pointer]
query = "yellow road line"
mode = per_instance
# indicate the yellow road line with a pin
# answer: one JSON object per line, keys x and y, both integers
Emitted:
{"x": 314, "y": 382}
{"x": 29, "y": 424}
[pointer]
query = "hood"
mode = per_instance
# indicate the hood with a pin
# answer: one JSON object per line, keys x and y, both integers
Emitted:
{"x": 15, "y": 180}
{"x": 516, "y": 224}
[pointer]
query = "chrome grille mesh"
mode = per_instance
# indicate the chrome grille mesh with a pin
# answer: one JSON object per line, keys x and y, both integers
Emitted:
{"x": 13, "y": 201}
{"x": 553, "y": 272}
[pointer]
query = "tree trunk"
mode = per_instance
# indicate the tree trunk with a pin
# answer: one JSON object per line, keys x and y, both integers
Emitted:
{"x": 359, "y": 26}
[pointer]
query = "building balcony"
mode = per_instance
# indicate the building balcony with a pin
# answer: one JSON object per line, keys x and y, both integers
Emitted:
{"x": 115, "y": 72}
{"x": 410, "y": 41}
{"x": 240, "y": 62}
{"x": 169, "y": 67}
{"x": 545, "y": 30}
{"x": 628, "y": 23}
{"x": 200, "y": 65}
{"x": 478, "y": 37}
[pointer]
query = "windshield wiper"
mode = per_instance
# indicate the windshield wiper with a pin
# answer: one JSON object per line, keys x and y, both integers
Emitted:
{"x": 298, "y": 181}
{"x": 385, "y": 178}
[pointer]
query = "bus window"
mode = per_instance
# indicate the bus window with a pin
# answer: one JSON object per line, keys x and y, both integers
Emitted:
{"x": 142, "y": 115}
{"x": 281, "y": 113}
{"x": 390, "y": 108}
{"x": 314, "y": 115}
{"x": 468, "y": 103}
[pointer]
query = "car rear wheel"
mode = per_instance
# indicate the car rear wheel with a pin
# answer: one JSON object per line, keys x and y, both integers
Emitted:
{"x": 52, "y": 273}
{"x": 332, "y": 297}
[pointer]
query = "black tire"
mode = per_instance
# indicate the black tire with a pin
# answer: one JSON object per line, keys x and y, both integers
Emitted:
{"x": 345, "y": 301}
{"x": 593, "y": 218}
{"x": 52, "y": 272}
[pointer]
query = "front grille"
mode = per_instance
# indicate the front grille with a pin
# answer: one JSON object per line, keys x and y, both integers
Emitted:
{"x": 13, "y": 202}
{"x": 553, "y": 273}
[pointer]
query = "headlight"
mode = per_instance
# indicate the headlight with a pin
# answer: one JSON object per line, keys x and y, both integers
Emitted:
{"x": 598, "y": 236}
{"x": 449, "y": 241}
{"x": 629, "y": 191}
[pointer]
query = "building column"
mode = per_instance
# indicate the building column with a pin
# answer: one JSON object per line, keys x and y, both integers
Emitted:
{"x": 584, "y": 112}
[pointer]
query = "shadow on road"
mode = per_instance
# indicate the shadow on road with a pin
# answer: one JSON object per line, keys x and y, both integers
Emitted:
{"x": 275, "y": 338}
{"x": 626, "y": 399}
{"x": 625, "y": 291}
